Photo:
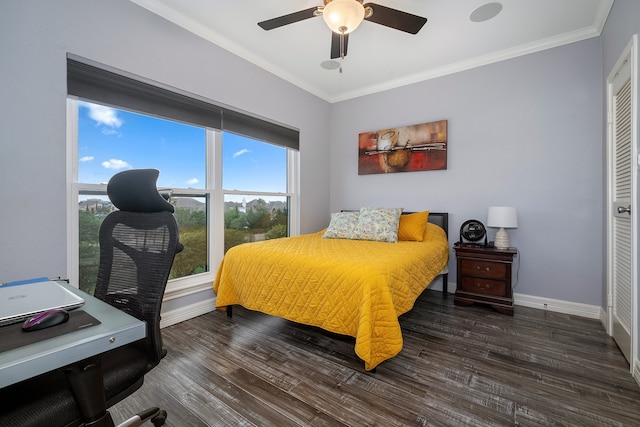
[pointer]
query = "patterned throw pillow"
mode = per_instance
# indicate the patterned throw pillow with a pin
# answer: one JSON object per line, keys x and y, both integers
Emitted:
{"x": 412, "y": 226}
{"x": 342, "y": 225}
{"x": 379, "y": 224}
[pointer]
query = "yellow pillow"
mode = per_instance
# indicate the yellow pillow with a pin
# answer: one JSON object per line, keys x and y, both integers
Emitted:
{"x": 412, "y": 226}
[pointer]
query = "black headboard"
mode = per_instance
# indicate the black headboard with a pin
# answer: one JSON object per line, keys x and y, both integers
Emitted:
{"x": 440, "y": 219}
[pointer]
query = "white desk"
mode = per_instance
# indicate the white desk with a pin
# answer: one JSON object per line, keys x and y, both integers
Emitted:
{"x": 116, "y": 329}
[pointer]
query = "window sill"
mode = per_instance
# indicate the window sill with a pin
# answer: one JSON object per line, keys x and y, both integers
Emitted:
{"x": 178, "y": 288}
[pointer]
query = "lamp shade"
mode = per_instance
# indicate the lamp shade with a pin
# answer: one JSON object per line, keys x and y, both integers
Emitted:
{"x": 502, "y": 217}
{"x": 343, "y": 16}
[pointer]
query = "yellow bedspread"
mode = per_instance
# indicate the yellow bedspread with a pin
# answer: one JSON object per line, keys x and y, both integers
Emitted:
{"x": 350, "y": 287}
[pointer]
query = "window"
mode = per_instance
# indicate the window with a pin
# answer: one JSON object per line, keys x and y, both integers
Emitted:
{"x": 111, "y": 140}
{"x": 248, "y": 164}
{"x": 227, "y": 188}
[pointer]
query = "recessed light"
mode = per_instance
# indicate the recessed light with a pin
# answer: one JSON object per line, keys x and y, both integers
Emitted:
{"x": 485, "y": 12}
{"x": 330, "y": 65}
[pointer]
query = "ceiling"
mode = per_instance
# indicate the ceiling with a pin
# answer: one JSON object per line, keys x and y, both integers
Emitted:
{"x": 379, "y": 57}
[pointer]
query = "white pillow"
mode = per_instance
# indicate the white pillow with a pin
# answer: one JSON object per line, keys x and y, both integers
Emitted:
{"x": 342, "y": 225}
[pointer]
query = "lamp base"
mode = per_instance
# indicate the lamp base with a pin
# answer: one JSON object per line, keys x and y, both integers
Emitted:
{"x": 502, "y": 239}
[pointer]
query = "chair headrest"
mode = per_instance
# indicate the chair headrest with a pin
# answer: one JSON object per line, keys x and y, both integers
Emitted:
{"x": 135, "y": 190}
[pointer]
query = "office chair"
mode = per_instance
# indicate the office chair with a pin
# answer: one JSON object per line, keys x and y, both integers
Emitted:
{"x": 137, "y": 246}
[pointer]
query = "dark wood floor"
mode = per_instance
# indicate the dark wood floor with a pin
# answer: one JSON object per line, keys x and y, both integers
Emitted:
{"x": 467, "y": 366}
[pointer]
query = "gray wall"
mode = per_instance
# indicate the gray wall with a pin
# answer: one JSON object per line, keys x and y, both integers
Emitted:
{"x": 526, "y": 132}
{"x": 34, "y": 41}
{"x": 623, "y": 22}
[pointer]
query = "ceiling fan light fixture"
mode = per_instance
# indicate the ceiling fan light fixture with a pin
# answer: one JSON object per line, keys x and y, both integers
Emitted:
{"x": 343, "y": 16}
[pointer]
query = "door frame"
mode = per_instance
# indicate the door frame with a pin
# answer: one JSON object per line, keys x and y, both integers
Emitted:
{"x": 630, "y": 53}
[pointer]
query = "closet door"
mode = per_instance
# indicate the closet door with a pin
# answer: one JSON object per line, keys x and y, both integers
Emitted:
{"x": 622, "y": 202}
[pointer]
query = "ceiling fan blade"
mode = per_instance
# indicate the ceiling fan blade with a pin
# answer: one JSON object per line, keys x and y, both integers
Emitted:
{"x": 335, "y": 45}
{"x": 397, "y": 19}
{"x": 280, "y": 21}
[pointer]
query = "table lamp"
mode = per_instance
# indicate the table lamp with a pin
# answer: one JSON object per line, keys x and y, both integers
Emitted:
{"x": 502, "y": 217}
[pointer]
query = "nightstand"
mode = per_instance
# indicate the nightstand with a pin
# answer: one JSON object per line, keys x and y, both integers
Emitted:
{"x": 484, "y": 276}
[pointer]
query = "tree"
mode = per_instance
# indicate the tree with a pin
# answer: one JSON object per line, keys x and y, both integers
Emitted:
{"x": 193, "y": 258}
{"x": 229, "y": 216}
{"x": 239, "y": 223}
{"x": 258, "y": 218}
{"x": 187, "y": 217}
{"x": 89, "y": 250}
{"x": 233, "y": 238}
{"x": 276, "y": 232}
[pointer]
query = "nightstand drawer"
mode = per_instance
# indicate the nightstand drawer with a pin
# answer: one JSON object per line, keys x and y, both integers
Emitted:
{"x": 484, "y": 277}
{"x": 494, "y": 270}
{"x": 484, "y": 286}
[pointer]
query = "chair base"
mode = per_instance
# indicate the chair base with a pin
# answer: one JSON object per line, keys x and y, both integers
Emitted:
{"x": 156, "y": 415}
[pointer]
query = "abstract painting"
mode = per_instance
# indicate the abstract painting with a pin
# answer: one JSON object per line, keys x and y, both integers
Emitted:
{"x": 413, "y": 148}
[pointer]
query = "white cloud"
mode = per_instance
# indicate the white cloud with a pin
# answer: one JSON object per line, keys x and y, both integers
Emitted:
{"x": 104, "y": 116}
{"x": 106, "y": 131}
{"x": 85, "y": 159}
{"x": 241, "y": 152}
{"x": 192, "y": 181}
{"x": 115, "y": 164}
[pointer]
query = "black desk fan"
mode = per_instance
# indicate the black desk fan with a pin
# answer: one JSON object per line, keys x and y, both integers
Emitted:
{"x": 471, "y": 233}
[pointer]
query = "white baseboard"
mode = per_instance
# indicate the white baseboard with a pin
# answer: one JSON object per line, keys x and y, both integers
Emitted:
{"x": 187, "y": 312}
{"x": 559, "y": 306}
{"x": 604, "y": 319}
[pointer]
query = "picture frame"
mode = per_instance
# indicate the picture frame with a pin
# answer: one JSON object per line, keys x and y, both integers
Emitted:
{"x": 421, "y": 147}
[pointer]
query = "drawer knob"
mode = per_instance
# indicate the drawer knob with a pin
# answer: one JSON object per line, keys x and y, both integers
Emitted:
{"x": 479, "y": 286}
{"x": 485, "y": 269}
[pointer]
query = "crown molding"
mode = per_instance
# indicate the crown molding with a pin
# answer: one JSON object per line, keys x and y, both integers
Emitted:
{"x": 206, "y": 33}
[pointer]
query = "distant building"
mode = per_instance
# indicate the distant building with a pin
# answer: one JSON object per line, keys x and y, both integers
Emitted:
{"x": 96, "y": 206}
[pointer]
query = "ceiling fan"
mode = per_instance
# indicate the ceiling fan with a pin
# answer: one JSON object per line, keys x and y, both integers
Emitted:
{"x": 344, "y": 16}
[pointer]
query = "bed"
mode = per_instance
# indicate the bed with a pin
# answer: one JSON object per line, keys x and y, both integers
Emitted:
{"x": 350, "y": 287}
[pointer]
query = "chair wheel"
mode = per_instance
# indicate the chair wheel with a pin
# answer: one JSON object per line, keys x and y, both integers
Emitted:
{"x": 159, "y": 419}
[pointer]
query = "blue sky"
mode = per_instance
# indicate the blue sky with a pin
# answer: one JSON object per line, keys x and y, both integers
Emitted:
{"x": 111, "y": 140}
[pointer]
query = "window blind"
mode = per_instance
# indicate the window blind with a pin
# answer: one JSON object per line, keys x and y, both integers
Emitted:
{"x": 90, "y": 82}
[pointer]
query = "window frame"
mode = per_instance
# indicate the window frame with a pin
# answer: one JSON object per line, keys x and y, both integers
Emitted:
{"x": 213, "y": 191}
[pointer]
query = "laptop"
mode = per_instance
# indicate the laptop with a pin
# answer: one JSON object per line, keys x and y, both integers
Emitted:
{"x": 24, "y": 299}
